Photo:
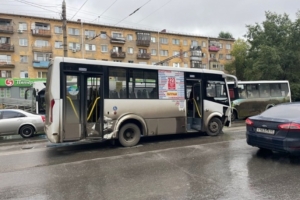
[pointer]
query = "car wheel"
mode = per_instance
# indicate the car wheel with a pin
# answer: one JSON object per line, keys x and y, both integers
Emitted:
{"x": 129, "y": 135}
{"x": 233, "y": 116}
{"x": 214, "y": 127}
{"x": 26, "y": 131}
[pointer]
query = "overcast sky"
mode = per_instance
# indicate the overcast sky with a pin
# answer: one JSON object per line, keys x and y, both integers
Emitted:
{"x": 201, "y": 17}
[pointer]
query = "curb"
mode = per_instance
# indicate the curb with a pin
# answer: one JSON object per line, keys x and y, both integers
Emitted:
{"x": 23, "y": 142}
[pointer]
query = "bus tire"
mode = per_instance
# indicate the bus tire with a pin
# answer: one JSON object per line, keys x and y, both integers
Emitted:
{"x": 129, "y": 135}
{"x": 214, "y": 127}
{"x": 26, "y": 131}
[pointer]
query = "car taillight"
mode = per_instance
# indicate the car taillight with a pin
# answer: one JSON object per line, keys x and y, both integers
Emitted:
{"x": 289, "y": 126}
{"x": 43, "y": 118}
{"x": 249, "y": 122}
{"x": 52, "y": 102}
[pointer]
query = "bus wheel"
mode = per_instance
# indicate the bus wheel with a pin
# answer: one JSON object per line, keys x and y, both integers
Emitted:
{"x": 214, "y": 127}
{"x": 129, "y": 135}
{"x": 26, "y": 131}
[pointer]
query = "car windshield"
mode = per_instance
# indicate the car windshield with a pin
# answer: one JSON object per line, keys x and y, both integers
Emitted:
{"x": 283, "y": 111}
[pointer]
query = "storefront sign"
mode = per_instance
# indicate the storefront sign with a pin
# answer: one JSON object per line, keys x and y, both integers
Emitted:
{"x": 18, "y": 82}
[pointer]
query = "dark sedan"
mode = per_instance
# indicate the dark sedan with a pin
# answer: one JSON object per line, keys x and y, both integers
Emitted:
{"x": 276, "y": 129}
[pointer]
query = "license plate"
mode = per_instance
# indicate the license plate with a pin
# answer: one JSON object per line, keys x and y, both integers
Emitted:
{"x": 264, "y": 130}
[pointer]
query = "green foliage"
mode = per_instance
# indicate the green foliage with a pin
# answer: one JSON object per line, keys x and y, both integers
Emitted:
{"x": 225, "y": 35}
{"x": 273, "y": 53}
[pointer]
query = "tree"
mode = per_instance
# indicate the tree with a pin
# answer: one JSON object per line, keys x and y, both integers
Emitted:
{"x": 274, "y": 51}
{"x": 239, "y": 64}
{"x": 225, "y": 35}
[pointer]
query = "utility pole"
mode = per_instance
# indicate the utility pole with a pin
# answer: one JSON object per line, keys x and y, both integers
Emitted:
{"x": 64, "y": 28}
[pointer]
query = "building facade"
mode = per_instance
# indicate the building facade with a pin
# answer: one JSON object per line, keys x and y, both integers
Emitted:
{"x": 27, "y": 44}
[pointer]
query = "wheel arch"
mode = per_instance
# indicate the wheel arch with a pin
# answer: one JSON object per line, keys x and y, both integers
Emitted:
{"x": 131, "y": 118}
{"x": 214, "y": 114}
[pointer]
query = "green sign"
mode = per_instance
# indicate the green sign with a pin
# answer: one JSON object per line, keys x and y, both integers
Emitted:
{"x": 19, "y": 82}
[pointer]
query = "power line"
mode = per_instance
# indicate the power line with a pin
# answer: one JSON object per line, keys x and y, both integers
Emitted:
{"x": 133, "y": 12}
{"x": 79, "y": 9}
{"x": 35, "y": 5}
{"x": 105, "y": 10}
{"x": 154, "y": 11}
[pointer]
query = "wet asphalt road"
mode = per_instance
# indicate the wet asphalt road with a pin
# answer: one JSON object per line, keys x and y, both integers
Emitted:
{"x": 169, "y": 167}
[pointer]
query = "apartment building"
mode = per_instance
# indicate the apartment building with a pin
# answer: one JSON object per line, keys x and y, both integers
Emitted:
{"x": 27, "y": 44}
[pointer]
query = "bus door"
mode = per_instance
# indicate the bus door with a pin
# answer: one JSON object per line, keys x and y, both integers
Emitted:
{"x": 194, "y": 106}
{"x": 82, "y": 106}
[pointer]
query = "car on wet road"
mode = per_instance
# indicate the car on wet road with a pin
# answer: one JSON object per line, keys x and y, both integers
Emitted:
{"x": 16, "y": 121}
{"x": 276, "y": 129}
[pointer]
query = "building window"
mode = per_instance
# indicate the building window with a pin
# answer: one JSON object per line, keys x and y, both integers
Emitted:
{"x": 58, "y": 44}
{"x": 89, "y": 33}
{"x": 143, "y": 84}
{"x": 104, "y": 48}
{"x": 117, "y": 35}
{"x": 23, "y": 42}
{"x": 117, "y": 60}
{"x": 165, "y": 64}
{"x": 228, "y": 57}
{"x": 23, "y": 59}
{"x": 42, "y": 75}
{"x": 129, "y": 37}
{"x": 194, "y": 43}
{"x": 103, "y": 35}
{"x": 5, "y": 92}
{"x": 212, "y": 55}
{"x": 24, "y": 74}
{"x": 37, "y": 56}
{"x": 73, "y": 31}
{"x": 23, "y": 26}
{"x": 90, "y": 47}
{"x": 153, "y": 52}
{"x": 163, "y": 40}
{"x": 176, "y": 65}
{"x": 130, "y": 61}
{"x": 204, "y": 66}
{"x": 222, "y": 67}
{"x": 228, "y": 46}
{"x": 130, "y": 50}
{"x": 5, "y": 74}
{"x": 185, "y": 65}
{"x": 41, "y": 43}
{"x": 220, "y": 56}
{"x": 164, "y": 52}
{"x": 58, "y": 29}
{"x": 185, "y": 54}
{"x": 220, "y": 45}
{"x": 74, "y": 46}
{"x": 185, "y": 42}
{"x": 176, "y": 41}
{"x": 203, "y": 44}
{"x": 117, "y": 83}
{"x": 175, "y": 53}
{"x": 204, "y": 55}
{"x": 153, "y": 39}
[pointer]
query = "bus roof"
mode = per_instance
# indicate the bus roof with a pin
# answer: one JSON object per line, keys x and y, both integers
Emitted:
{"x": 260, "y": 81}
{"x": 131, "y": 65}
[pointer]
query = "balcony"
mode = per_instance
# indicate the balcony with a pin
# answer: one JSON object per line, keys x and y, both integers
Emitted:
{"x": 7, "y": 47}
{"x": 119, "y": 54}
{"x": 41, "y": 32}
{"x": 117, "y": 40}
{"x": 213, "y": 60}
{"x": 6, "y": 29}
{"x": 145, "y": 56}
{"x": 46, "y": 49}
{"x": 41, "y": 64}
{"x": 144, "y": 43}
{"x": 196, "y": 56}
{"x": 6, "y": 64}
{"x": 214, "y": 48}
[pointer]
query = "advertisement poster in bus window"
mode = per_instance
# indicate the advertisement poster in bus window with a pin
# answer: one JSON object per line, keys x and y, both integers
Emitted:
{"x": 171, "y": 84}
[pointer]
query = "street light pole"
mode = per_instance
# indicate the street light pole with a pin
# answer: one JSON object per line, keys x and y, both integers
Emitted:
{"x": 64, "y": 28}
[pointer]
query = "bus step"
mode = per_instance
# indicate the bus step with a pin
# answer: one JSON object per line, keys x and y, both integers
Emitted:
{"x": 196, "y": 127}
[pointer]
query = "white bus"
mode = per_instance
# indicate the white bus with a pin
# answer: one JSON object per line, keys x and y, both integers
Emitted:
{"x": 91, "y": 99}
{"x": 254, "y": 97}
